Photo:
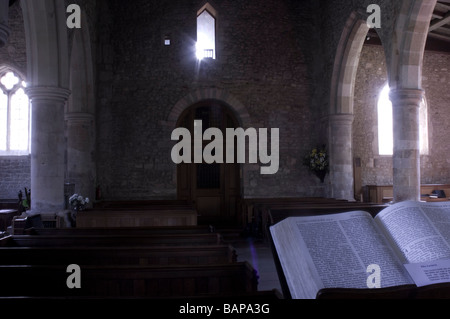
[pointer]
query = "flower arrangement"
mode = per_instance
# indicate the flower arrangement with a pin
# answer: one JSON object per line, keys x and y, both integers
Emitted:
{"x": 77, "y": 202}
{"x": 317, "y": 161}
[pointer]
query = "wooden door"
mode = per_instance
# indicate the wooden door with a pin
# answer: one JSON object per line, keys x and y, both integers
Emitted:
{"x": 215, "y": 188}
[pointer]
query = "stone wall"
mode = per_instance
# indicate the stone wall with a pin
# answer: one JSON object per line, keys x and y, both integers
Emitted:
{"x": 275, "y": 58}
{"x": 13, "y": 54}
{"x": 14, "y": 171}
{"x": 266, "y": 59}
{"x": 436, "y": 83}
{"x": 335, "y": 14}
{"x": 14, "y": 176}
{"x": 371, "y": 78}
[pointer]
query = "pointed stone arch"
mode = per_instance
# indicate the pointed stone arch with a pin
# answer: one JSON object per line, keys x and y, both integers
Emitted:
{"x": 346, "y": 64}
{"x": 408, "y": 44}
{"x": 197, "y": 96}
{"x": 342, "y": 106}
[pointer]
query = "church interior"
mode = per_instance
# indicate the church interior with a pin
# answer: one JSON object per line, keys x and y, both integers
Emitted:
{"x": 92, "y": 93}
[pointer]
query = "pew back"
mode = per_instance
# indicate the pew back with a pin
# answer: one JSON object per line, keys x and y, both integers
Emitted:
{"x": 182, "y": 216}
{"x": 133, "y": 231}
{"x": 110, "y": 240}
{"x": 130, "y": 281}
{"x": 172, "y": 255}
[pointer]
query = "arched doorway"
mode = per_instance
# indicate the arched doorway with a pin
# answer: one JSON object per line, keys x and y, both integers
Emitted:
{"x": 214, "y": 188}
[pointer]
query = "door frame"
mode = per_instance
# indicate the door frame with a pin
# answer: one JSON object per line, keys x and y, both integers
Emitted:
{"x": 186, "y": 173}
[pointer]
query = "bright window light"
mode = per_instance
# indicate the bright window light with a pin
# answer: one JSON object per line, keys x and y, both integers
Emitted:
{"x": 15, "y": 116}
{"x": 206, "y": 36}
{"x": 3, "y": 120}
{"x": 19, "y": 127}
{"x": 9, "y": 80}
{"x": 385, "y": 125}
{"x": 386, "y": 128}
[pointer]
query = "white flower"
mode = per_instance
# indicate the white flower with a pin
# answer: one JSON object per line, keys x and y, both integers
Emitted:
{"x": 78, "y": 202}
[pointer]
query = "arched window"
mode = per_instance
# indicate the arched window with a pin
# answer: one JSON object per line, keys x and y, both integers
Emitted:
{"x": 386, "y": 128}
{"x": 206, "y": 33}
{"x": 14, "y": 115}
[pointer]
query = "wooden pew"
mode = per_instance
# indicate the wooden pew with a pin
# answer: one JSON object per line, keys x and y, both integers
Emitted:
{"x": 270, "y": 214}
{"x": 130, "y": 281}
{"x": 252, "y": 206}
{"x": 142, "y": 204}
{"x": 111, "y": 240}
{"x": 156, "y": 255}
{"x": 148, "y": 217}
{"x": 121, "y": 230}
{"x": 6, "y": 218}
{"x": 9, "y": 204}
{"x": 248, "y": 204}
{"x": 139, "y": 213}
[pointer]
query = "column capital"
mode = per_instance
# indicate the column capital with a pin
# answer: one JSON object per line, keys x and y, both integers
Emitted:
{"x": 406, "y": 96}
{"x": 47, "y": 93}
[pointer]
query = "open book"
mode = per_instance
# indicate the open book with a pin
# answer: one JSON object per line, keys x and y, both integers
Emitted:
{"x": 409, "y": 241}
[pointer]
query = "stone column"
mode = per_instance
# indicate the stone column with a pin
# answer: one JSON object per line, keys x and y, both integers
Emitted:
{"x": 341, "y": 158}
{"x": 47, "y": 149}
{"x": 406, "y": 159}
{"x": 80, "y": 149}
{"x": 4, "y": 26}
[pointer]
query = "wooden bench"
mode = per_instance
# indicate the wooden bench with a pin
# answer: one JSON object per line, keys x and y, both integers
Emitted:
{"x": 248, "y": 204}
{"x": 182, "y": 216}
{"x": 142, "y": 204}
{"x": 9, "y": 204}
{"x": 385, "y": 193}
{"x": 270, "y": 211}
{"x": 255, "y": 208}
{"x": 6, "y": 218}
{"x": 130, "y": 281}
{"x": 111, "y": 240}
{"x": 120, "y": 230}
{"x": 157, "y": 255}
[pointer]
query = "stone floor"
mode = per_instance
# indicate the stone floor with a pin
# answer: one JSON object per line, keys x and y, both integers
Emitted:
{"x": 259, "y": 255}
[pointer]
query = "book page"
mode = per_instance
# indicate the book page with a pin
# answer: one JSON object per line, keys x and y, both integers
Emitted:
{"x": 338, "y": 249}
{"x": 419, "y": 231}
{"x": 429, "y": 273}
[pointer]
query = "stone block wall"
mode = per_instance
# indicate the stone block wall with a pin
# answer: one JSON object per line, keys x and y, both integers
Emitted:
{"x": 13, "y": 54}
{"x": 15, "y": 171}
{"x": 266, "y": 59}
{"x": 371, "y": 78}
{"x": 436, "y": 83}
{"x": 275, "y": 58}
{"x": 14, "y": 176}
